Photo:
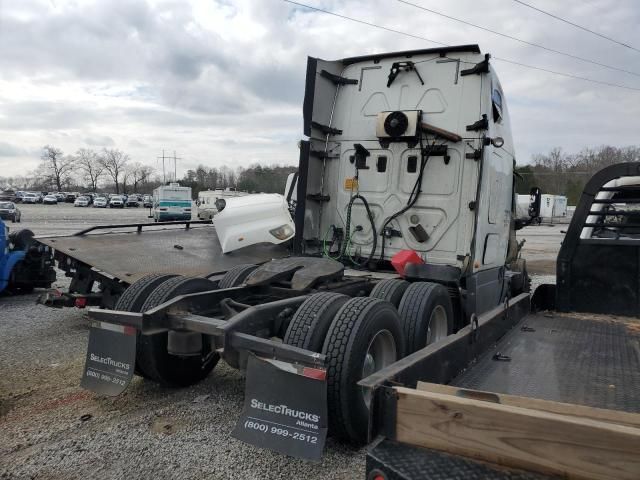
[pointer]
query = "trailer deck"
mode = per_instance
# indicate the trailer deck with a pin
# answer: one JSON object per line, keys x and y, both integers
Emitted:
{"x": 131, "y": 254}
{"x": 583, "y": 359}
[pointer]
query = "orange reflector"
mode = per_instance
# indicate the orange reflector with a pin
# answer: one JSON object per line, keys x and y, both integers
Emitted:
{"x": 315, "y": 373}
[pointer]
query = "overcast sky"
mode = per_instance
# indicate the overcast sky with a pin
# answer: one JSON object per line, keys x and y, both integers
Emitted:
{"x": 221, "y": 81}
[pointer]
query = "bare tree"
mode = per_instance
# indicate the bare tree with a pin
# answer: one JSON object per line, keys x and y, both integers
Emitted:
{"x": 114, "y": 163}
{"x": 92, "y": 169}
{"x": 56, "y": 166}
{"x": 138, "y": 174}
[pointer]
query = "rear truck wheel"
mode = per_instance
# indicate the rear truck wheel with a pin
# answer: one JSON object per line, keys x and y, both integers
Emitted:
{"x": 364, "y": 337}
{"x": 153, "y": 357}
{"x": 391, "y": 290}
{"x": 309, "y": 325}
{"x": 426, "y": 313}
{"x": 236, "y": 276}
{"x": 134, "y": 297}
{"x": 21, "y": 239}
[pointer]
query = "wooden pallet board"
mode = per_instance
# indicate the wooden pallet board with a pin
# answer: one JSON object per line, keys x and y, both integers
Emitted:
{"x": 611, "y": 416}
{"x": 526, "y": 438}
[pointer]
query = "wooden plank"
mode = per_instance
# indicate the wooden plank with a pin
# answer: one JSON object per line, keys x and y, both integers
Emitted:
{"x": 517, "y": 437}
{"x": 611, "y": 416}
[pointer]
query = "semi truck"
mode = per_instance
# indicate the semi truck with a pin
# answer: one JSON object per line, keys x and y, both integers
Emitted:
{"x": 403, "y": 266}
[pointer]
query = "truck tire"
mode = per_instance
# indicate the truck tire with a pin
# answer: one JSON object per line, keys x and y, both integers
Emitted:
{"x": 21, "y": 239}
{"x": 152, "y": 355}
{"x": 309, "y": 325}
{"x": 364, "y": 337}
{"x": 426, "y": 313}
{"x": 134, "y": 297}
{"x": 391, "y": 290}
{"x": 236, "y": 276}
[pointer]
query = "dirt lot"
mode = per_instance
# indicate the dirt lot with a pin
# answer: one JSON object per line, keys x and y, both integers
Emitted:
{"x": 52, "y": 429}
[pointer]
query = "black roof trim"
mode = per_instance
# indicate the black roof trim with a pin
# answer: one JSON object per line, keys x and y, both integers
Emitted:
{"x": 473, "y": 48}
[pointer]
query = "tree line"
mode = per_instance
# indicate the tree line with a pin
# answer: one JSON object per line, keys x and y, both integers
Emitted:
{"x": 88, "y": 168}
{"x": 561, "y": 173}
{"x": 254, "y": 179}
{"x": 113, "y": 170}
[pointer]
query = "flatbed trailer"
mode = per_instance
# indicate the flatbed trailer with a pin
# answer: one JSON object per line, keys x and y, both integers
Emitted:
{"x": 104, "y": 260}
{"x": 542, "y": 386}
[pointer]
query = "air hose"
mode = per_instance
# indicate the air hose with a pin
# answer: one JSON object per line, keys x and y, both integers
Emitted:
{"x": 347, "y": 229}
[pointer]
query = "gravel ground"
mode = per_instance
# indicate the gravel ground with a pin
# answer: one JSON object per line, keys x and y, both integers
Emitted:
{"x": 52, "y": 429}
{"x": 149, "y": 431}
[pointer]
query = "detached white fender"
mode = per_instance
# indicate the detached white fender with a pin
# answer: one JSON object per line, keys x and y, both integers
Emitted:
{"x": 259, "y": 218}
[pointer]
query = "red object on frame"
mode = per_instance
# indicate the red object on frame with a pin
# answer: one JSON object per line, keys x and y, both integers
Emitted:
{"x": 401, "y": 259}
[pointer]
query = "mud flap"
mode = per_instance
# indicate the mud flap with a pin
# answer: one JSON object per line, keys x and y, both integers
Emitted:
{"x": 110, "y": 362}
{"x": 285, "y": 408}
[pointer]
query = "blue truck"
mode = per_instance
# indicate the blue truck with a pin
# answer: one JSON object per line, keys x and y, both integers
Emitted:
{"x": 24, "y": 263}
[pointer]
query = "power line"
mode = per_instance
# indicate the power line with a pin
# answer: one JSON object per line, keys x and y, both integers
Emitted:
{"x": 365, "y": 23}
{"x": 576, "y": 25}
{"x": 510, "y": 37}
{"x": 568, "y": 75}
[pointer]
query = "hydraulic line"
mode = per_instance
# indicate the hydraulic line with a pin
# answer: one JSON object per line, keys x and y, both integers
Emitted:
{"x": 413, "y": 197}
{"x": 347, "y": 229}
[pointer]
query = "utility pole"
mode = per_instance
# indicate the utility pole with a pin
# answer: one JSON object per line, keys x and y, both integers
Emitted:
{"x": 164, "y": 177}
{"x": 175, "y": 166}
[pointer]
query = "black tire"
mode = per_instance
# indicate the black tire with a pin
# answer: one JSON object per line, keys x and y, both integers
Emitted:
{"x": 21, "y": 239}
{"x": 309, "y": 325}
{"x": 391, "y": 290}
{"x": 152, "y": 355}
{"x": 236, "y": 276}
{"x": 356, "y": 324}
{"x": 136, "y": 294}
{"x": 134, "y": 297}
{"x": 416, "y": 307}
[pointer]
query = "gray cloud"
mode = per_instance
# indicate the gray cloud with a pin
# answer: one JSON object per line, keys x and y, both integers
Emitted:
{"x": 8, "y": 150}
{"x": 214, "y": 78}
{"x": 99, "y": 141}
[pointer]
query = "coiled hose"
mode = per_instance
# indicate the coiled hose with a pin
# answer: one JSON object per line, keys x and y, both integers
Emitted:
{"x": 347, "y": 229}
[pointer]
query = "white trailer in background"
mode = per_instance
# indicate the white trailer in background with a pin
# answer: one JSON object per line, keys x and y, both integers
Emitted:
{"x": 553, "y": 208}
{"x": 207, "y": 200}
{"x": 171, "y": 202}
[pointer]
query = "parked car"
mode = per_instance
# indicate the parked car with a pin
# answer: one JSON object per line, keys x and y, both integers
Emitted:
{"x": 61, "y": 196}
{"x": 50, "y": 200}
{"x": 19, "y": 196}
{"x": 100, "y": 202}
{"x": 81, "y": 202}
{"x": 9, "y": 210}
{"x": 133, "y": 201}
{"x": 70, "y": 198}
{"x": 116, "y": 202}
{"x": 8, "y": 195}
{"x": 39, "y": 197}
{"x": 30, "y": 198}
{"x": 147, "y": 201}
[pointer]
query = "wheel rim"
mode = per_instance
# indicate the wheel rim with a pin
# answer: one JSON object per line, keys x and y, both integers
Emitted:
{"x": 437, "y": 329}
{"x": 380, "y": 353}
